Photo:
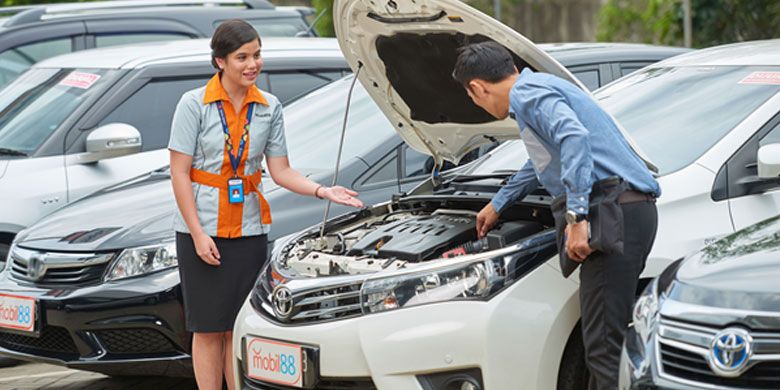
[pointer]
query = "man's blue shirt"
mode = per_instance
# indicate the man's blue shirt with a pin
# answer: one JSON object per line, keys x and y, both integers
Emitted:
{"x": 571, "y": 142}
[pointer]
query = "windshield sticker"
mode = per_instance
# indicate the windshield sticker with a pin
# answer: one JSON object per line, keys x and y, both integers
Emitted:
{"x": 80, "y": 80}
{"x": 762, "y": 78}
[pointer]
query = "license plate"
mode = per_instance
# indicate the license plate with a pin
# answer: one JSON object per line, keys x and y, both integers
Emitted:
{"x": 275, "y": 361}
{"x": 17, "y": 312}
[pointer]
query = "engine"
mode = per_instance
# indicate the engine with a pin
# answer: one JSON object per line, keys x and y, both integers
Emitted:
{"x": 395, "y": 241}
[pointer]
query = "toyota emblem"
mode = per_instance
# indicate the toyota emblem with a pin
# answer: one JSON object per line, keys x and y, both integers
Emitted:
{"x": 282, "y": 301}
{"x": 730, "y": 352}
{"x": 36, "y": 268}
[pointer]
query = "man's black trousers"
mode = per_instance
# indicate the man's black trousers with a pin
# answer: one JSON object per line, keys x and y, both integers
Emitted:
{"x": 608, "y": 285}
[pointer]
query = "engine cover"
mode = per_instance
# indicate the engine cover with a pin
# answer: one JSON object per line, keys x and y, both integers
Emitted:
{"x": 418, "y": 238}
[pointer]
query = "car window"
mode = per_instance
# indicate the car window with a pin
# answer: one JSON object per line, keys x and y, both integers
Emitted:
{"x": 631, "y": 67}
{"x": 675, "y": 114}
{"x": 37, "y": 103}
{"x": 290, "y": 85}
{"x": 125, "y": 39}
{"x": 16, "y": 60}
{"x": 314, "y": 122}
{"x": 150, "y": 109}
{"x": 588, "y": 76}
{"x": 386, "y": 171}
{"x": 416, "y": 163}
{"x": 773, "y": 137}
{"x": 277, "y": 27}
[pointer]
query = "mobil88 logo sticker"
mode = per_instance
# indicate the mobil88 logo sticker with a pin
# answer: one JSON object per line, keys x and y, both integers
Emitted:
{"x": 274, "y": 361}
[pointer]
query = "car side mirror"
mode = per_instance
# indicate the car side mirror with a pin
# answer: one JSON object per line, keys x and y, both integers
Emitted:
{"x": 769, "y": 161}
{"x": 111, "y": 140}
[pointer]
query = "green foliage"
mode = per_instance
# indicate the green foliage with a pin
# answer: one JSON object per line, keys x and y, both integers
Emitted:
{"x": 324, "y": 26}
{"x": 714, "y": 22}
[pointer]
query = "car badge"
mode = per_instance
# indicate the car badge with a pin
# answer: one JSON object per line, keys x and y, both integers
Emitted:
{"x": 36, "y": 267}
{"x": 282, "y": 301}
{"x": 730, "y": 352}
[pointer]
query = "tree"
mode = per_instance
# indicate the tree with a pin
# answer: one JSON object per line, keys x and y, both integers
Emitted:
{"x": 324, "y": 26}
{"x": 714, "y": 22}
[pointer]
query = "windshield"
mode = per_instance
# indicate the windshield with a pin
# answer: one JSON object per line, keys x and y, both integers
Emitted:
{"x": 313, "y": 126}
{"x": 675, "y": 114}
{"x": 37, "y": 103}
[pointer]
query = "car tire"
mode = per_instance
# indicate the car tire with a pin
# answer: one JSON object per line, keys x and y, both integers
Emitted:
{"x": 573, "y": 373}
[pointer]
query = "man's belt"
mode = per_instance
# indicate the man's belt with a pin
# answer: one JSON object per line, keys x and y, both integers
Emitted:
{"x": 632, "y": 196}
{"x": 251, "y": 184}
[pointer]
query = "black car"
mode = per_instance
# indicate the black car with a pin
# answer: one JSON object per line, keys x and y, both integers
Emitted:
{"x": 105, "y": 324}
{"x": 29, "y": 34}
{"x": 711, "y": 320}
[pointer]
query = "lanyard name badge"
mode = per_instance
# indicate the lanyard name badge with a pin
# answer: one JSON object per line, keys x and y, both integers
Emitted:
{"x": 235, "y": 184}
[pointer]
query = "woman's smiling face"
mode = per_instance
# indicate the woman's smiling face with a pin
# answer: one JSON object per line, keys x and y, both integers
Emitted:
{"x": 242, "y": 66}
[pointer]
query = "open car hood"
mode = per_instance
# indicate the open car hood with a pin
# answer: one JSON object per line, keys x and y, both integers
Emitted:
{"x": 407, "y": 50}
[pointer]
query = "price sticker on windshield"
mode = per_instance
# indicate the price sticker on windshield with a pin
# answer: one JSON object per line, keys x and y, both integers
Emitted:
{"x": 17, "y": 312}
{"x": 762, "y": 78}
{"x": 81, "y": 80}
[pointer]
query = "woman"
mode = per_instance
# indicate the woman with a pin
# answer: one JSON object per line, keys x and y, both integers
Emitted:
{"x": 219, "y": 136}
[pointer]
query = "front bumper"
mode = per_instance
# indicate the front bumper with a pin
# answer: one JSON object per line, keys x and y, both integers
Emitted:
{"x": 515, "y": 340}
{"x": 117, "y": 328}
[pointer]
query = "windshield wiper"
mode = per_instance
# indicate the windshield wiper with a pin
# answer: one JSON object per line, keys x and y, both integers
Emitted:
{"x": 500, "y": 174}
{"x": 11, "y": 152}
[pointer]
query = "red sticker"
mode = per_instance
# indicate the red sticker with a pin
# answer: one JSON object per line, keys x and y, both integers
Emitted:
{"x": 80, "y": 80}
{"x": 763, "y": 78}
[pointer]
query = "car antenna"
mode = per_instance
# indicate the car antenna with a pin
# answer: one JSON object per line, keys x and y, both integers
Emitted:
{"x": 308, "y": 32}
{"x": 338, "y": 156}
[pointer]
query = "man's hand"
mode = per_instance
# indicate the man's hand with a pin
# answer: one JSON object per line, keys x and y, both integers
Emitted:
{"x": 486, "y": 218}
{"x": 577, "y": 247}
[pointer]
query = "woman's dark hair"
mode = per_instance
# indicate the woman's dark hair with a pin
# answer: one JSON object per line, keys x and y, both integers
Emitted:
{"x": 229, "y": 36}
{"x": 487, "y": 61}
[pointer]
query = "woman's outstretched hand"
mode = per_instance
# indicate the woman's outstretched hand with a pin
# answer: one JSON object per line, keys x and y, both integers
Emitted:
{"x": 341, "y": 195}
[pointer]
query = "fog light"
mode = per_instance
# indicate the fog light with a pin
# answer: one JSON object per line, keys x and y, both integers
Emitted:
{"x": 469, "y": 385}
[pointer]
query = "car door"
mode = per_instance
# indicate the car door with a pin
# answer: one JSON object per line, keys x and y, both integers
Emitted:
{"x": 751, "y": 199}
{"x": 145, "y": 102}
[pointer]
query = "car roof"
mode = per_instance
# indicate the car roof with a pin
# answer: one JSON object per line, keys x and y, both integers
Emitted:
{"x": 765, "y": 53}
{"x": 188, "y": 50}
{"x": 25, "y": 16}
{"x": 577, "y": 53}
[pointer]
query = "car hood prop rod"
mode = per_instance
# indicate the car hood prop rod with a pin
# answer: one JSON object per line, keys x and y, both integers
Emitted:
{"x": 321, "y": 242}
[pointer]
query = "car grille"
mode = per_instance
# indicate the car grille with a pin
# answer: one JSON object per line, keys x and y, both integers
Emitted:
{"x": 359, "y": 383}
{"x": 53, "y": 268}
{"x": 683, "y": 350}
{"x": 135, "y": 341}
{"x": 317, "y": 305}
{"x": 53, "y": 341}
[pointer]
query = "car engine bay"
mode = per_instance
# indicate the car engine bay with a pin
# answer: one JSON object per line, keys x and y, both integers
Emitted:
{"x": 402, "y": 238}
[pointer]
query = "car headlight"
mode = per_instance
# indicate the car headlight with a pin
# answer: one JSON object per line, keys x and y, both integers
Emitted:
{"x": 474, "y": 280}
{"x": 645, "y": 313}
{"x": 143, "y": 260}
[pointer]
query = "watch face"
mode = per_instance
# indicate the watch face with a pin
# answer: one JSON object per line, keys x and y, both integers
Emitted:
{"x": 571, "y": 217}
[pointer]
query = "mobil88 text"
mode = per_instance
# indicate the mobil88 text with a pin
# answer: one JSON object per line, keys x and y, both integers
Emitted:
{"x": 284, "y": 364}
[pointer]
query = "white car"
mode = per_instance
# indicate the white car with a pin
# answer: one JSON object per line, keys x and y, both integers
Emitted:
{"x": 378, "y": 302}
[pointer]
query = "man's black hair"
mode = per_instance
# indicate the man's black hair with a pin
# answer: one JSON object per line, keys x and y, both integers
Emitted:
{"x": 487, "y": 61}
{"x": 229, "y": 37}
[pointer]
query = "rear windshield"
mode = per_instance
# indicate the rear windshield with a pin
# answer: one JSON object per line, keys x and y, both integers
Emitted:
{"x": 39, "y": 101}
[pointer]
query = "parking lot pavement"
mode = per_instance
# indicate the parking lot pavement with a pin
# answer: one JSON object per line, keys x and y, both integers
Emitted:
{"x": 27, "y": 376}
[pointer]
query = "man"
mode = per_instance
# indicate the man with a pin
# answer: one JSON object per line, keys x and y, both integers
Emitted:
{"x": 572, "y": 144}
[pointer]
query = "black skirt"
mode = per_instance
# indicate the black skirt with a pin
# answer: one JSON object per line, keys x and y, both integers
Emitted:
{"x": 213, "y": 295}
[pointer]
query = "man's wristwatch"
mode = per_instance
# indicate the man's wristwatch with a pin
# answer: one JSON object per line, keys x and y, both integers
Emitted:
{"x": 572, "y": 217}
